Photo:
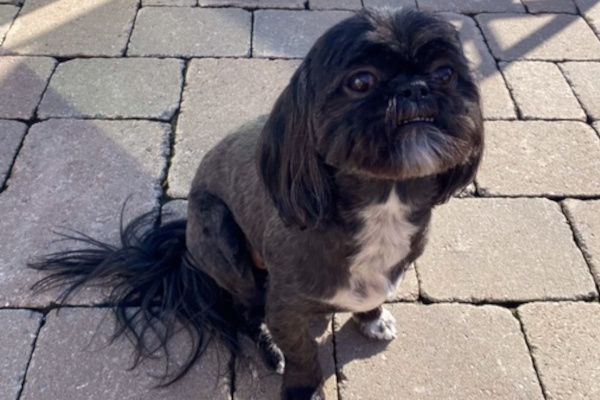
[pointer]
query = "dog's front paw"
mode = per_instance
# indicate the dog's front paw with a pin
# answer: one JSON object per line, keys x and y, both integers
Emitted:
{"x": 382, "y": 328}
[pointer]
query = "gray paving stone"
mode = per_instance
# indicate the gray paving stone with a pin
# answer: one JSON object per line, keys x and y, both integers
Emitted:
{"x": 252, "y": 4}
{"x": 176, "y": 3}
{"x": 497, "y": 103}
{"x": 271, "y": 36}
{"x": 19, "y": 328}
{"x": 22, "y": 82}
{"x": 74, "y": 174}
{"x": 563, "y": 338}
{"x": 76, "y": 342}
{"x": 335, "y": 4}
{"x": 539, "y": 37}
{"x": 192, "y": 32}
{"x": 7, "y": 14}
{"x": 590, "y": 9}
{"x": 550, "y": 6}
{"x": 174, "y": 209}
{"x": 11, "y": 135}
{"x": 472, "y": 6}
{"x": 389, "y": 3}
{"x": 585, "y": 218}
{"x": 444, "y": 351}
{"x": 71, "y": 28}
{"x": 540, "y": 158}
{"x": 254, "y": 381}
{"x": 541, "y": 91}
{"x": 220, "y": 95}
{"x": 584, "y": 78}
{"x": 502, "y": 250}
{"x": 114, "y": 88}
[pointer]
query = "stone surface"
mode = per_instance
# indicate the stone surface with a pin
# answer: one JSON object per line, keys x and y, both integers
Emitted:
{"x": 389, "y": 3}
{"x": 199, "y": 32}
{"x": 590, "y": 9}
{"x": 176, "y": 3}
{"x": 445, "y": 351}
{"x": 22, "y": 82}
{"x": 335, "y": 4}
{"x": 294, "y": 4}
{"x": 74, "y": 174}
{"x": 409, "y": 288}
{"x": 472, "y": 6}
{"x": 174, "y": 209}
{"x": 585, "y": 219}
{"x": 271, "y": 36}
{"x": 563, "y": 338}
{"x": 114, "y": 88}
{"x": 502, "y": 250}
{"x": 539, "y": 37}
{"x": 540, "y": 158}
{"x": 70, "y": 28}
{"x": 7, "y": 14}
{"x": 550, "y": 6}
{"x": 541, "y": 91}
{"x": 219, "y": 96}
{"x": 11, "y": 135}
{"x": 17, "y": 335}
{"x": 497, "y": 103}
{"x": 76, "y": 342}
{"x": 584, "y": 78}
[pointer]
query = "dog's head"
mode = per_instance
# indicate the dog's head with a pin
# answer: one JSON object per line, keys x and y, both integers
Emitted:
{"x": 382, "y": 95}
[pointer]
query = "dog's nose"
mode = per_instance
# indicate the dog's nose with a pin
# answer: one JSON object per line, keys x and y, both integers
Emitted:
{"x": 414, "y": 90}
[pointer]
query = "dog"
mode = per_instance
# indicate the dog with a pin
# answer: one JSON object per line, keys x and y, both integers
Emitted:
{"x": 318, "y": 207}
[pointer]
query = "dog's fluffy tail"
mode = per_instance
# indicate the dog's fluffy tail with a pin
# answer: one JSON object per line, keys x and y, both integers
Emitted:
{"x": 154, "y": 288}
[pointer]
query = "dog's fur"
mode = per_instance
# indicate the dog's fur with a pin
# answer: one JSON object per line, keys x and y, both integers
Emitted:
{"x": 320, "y": 208}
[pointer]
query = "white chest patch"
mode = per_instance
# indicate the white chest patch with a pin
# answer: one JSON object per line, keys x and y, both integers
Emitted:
{"x": 383, "y": 242}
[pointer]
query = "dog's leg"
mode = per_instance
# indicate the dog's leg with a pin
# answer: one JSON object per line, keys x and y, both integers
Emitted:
{"x": 376, "y": 324}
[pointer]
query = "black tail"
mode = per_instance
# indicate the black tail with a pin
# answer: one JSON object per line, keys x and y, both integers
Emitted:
{"x": 151, "y": 272}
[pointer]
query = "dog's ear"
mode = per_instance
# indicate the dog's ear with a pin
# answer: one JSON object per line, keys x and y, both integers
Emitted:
{"x": 457, "y": 178}
{"x": 289, "y": 164}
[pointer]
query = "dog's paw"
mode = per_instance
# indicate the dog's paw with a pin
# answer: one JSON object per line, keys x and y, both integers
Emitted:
{"x": 303, "y": 393}
{"x": 382, "y": 328}
{"x": 270, "y": 352}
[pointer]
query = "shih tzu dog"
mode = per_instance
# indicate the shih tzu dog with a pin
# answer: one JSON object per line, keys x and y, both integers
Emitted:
{"x": 320, "y": 207}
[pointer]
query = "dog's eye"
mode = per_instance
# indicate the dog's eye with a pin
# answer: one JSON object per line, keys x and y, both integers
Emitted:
{"x": 443, "y": 75}
{"x": 362, "y": 82}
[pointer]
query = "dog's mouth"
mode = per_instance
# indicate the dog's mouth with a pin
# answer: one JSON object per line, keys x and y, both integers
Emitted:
{"x": 412, "y": 120}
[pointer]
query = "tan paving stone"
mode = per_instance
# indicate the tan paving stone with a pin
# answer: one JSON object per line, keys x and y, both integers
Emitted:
{"x": 114, "y": 88}
{"x": 590, "y": 9}
{"x": 17, "y": 334}
{"x": 220, "y": 95}
{"x": 176, "y": 3}
{"x": 584, "y": 78}
{"x": 22, "y": 82}
{"x": 11, "y": 135}
{"x": 76, "y": 342}
{"x": 74, "y": 174}
{"x": 335, "y": 4}
{"x": 585, "y": 218}
{"x": 271, "y": 36}
{"x": 7, "y": 15}
{"x": 541, "y": 91}
{"x": 550, "y": 6}
{"x": 497, "y": 103}
{"x": 191, "y": 32}
{"x": 540, "y": 158}
{"x": 389, "y": 3}
{"x": 444, "y": 351}
{"x": 502, "y": 250}
{"x": 539, "y": 37}
{"x": 564, "y": 342}
{"x": 472, "y": 6}
{"x": 71, "y": 28}
{"x": 292, "y": 4}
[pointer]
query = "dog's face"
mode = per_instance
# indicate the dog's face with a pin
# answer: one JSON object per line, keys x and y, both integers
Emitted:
{"x": 381, "y": 95}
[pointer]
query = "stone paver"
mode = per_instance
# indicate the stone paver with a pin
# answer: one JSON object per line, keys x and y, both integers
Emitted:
{"x": 590, "y": 9}
{"x": 221, "y": 95}
{"x": 292, "y": 4}
{"x": 191, "y": 32}
{"x": 502, "y": 250}
{"x": 17, "y": 335}
{"x": 539, "y": 37}
{"x": 584, "y": 78}
{"x": 585, "y": 218}
{"x": 12, "y": 133}
{"x": 550, "y": 6}
{"x": 175, "y": 3}
{"x": 564, "y": 341}
{"x": 76, "y": 342}
{"x": 497, "y": 103}
{"x": 442, "y": 352}
{"x": 472, "y": 6}
{"x": 174, "y": 209}
{"x": 114, "y": 88}
{"x": 7, "y": 14}
{"x": 271, "y": 31}
{"x": 70, "y": 28}
{"x": 335, "y": 4}
{"x": 102, "y": 162}
{"x": 541, "y": 91}
{"x": 540, "y": 158}
{"x": 389, "y": 3}
{"x": 22, "y": 82}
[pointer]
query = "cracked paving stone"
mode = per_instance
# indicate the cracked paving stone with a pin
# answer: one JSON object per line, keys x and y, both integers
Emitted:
{"x": 389, "y": 3}
{"x": 550, "y": 6}
{"x": 585, "y": 217}
{"x": 471, "y": 6}
{"x": 7, "y": 14}
{"x": 335, "y": 4}
{"x": 10, "y": 139}
{"x": 584, "y": 78}
{"x": 590, "y": 9}
{"x": 291, "y": 4}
